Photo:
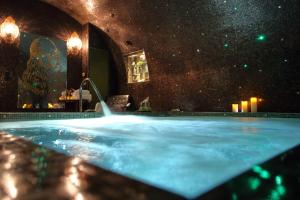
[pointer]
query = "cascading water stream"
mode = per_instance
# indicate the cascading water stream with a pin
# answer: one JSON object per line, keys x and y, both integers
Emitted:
{"x": 105, "y": 109}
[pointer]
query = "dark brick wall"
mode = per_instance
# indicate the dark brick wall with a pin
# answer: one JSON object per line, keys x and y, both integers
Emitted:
{"x": 39, "y": 18}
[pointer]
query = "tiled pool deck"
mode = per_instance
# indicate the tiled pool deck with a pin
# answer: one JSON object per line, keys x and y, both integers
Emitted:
{"x": 29, "y": 171}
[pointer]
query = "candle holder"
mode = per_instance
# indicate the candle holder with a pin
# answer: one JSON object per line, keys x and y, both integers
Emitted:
{"x": 244, "y": 106}
{"x": 253, "y": 104}
{"x": 235, "y": 108}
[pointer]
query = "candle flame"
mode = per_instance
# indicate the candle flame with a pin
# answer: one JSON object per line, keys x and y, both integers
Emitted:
{"x": 253, "y": 99}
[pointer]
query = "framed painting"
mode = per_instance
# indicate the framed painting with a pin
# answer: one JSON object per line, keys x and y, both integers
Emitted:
{"x": 137, "y": 67}
{"x": 45, "y": 74}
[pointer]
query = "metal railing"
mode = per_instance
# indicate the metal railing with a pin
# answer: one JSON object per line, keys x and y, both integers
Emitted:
{"x": 95, "y": 89}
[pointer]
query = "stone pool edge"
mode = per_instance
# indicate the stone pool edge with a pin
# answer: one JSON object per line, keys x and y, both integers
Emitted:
{"x": 26, "y": 116}
{"x": 43, "y": 173}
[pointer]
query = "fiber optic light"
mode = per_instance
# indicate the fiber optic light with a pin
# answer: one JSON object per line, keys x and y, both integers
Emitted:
{"x": 9, "y": 31}
{"x": 257, "y": 169}
{"x": 261, "y": 37}
{"x": 254, "y": 183}
{"x": 278, "y": 180}
{"x": 281, "y": 189}
{"x": 265, "y": 174}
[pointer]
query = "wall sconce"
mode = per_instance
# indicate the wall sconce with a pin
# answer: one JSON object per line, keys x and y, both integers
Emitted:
{"x": 74, "y": 43}
{"x": 253, "y": 103}
{"x": 9, "y": 31}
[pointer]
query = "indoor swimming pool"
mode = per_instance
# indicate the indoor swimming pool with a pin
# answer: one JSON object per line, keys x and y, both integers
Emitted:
{"x": 184, "y": 155}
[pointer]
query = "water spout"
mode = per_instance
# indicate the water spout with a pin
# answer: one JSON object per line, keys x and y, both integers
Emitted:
{"x": 105, "y": 109}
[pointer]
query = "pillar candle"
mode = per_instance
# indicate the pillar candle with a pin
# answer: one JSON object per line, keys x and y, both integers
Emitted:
{"x": 244, "y": 106}
{"x": 253, "y": 103}
{"x": 235, "y": 108}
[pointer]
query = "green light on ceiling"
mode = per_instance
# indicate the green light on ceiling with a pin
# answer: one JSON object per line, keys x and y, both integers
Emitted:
{"x": 281, "y": 190}
{"x": 274, "y": 195}
{"x": 257, "y": 169}
{"x": 35, "y": 84}
{"x": 262, "y": 173}
{"x": 254, "y": 183}
{"x": 234, "y": 196}
{"x": 261, "y": 37}
{"x": 278, "y": 180}
{"x": 245, "y": 66}
{"x": 226, "y": 45}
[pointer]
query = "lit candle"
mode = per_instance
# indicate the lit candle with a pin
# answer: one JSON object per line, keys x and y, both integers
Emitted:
{"x": 244, "y": 106}
{"x": 235, "y": 108}
{"x": 253, "y": 103}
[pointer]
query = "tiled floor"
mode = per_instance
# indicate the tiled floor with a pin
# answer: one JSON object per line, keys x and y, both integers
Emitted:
{"x": 28, "y": 171}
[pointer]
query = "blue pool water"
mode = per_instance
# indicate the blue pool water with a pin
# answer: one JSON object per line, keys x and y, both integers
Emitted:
{"x": 184, "y": 155}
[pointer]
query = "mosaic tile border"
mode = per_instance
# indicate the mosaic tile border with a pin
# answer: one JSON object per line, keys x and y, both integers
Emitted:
{"x": 21, "y": 116}
{"x": 46, "y": 116}
{"x": 215, "y": 114}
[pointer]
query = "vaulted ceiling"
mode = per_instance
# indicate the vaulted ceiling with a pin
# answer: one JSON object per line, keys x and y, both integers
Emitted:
{"x": 203, "y": 51}
{"x": 113, "y": 17}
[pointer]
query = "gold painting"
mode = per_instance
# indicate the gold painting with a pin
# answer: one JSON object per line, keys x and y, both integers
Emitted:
{"x": 137, "y": 67}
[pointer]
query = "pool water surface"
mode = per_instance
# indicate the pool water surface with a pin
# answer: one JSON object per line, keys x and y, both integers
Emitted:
{"x": 185, "y": 155}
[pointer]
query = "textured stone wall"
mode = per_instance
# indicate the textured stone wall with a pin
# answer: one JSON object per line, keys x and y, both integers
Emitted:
{"x": 203, "y": 55}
